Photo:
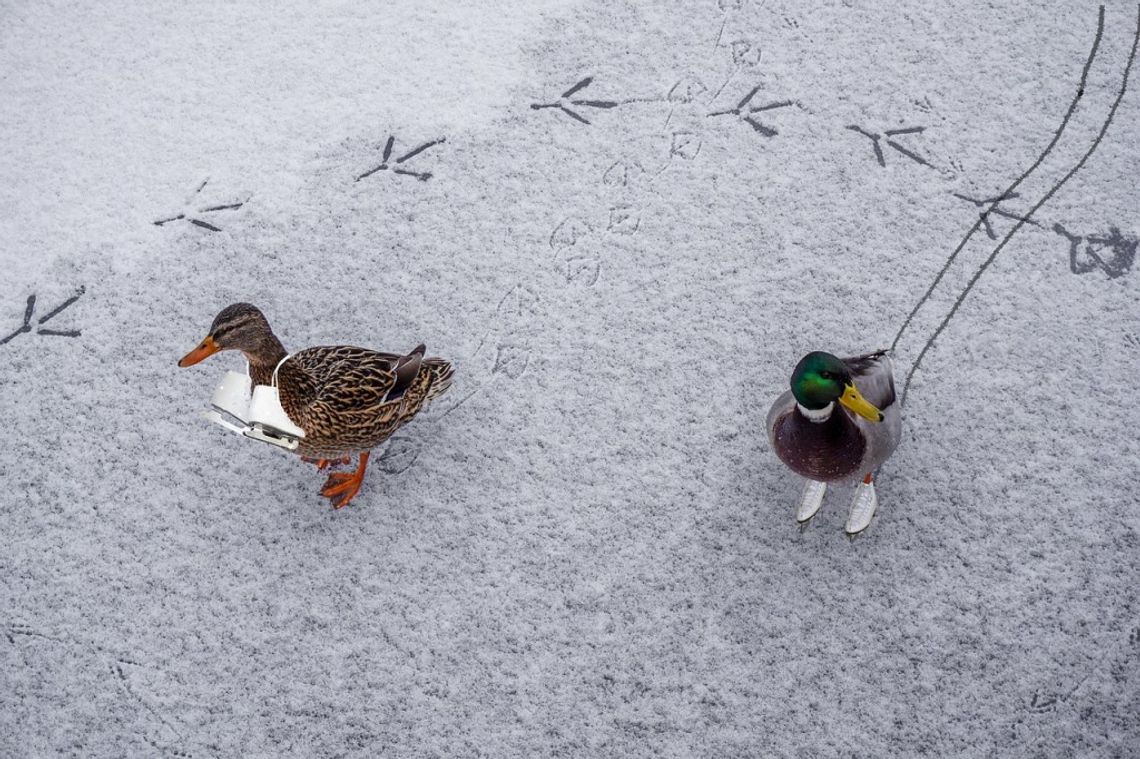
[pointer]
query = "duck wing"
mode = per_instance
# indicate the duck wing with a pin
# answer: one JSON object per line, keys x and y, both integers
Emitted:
{"x": 344, "y": 378}
{"x": 873, "y": 374}
{"x": 407, "y": 369}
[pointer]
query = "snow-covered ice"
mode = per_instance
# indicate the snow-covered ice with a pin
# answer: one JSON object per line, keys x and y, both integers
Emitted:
{"x": 624, "y": 222}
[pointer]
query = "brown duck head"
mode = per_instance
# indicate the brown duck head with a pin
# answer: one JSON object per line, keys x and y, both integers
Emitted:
{"x": 240, "y": 326}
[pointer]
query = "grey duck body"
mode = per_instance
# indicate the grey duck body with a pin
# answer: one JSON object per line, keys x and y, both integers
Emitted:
{"x": 845, "y": 446}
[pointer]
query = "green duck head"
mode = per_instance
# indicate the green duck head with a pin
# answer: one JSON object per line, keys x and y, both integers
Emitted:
{"x": 821, "y": 379}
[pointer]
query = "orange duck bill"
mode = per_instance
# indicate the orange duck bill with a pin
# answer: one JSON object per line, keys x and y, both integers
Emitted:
{"x": 207, "y": 348}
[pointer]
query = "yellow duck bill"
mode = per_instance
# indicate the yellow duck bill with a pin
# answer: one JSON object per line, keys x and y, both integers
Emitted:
{"x": 854, "y": 400}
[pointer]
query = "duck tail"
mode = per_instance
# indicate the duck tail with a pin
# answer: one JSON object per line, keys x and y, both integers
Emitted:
{"x": 441, "y": 374}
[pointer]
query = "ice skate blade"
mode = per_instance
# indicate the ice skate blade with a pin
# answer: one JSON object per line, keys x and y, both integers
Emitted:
{"x": 224, "y": 419}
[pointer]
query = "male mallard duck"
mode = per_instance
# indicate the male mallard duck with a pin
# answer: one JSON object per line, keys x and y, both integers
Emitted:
{"x": 347, "y": 400}
{"x": 824, "y": 443}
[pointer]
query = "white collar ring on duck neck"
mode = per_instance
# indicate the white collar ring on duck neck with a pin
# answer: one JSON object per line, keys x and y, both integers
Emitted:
{"x": 817, "y": 415}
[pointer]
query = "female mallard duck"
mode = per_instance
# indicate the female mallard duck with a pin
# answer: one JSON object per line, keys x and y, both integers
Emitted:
{"x": 823, "y": 443}
{"x": 347, "y": 400}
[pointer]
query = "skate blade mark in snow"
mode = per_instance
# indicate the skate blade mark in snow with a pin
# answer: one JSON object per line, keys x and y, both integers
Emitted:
{"x": 990, "y": 206}
{"x": 1008, "y": 192}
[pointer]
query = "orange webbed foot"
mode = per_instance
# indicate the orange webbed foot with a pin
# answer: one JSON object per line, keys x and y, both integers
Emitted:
{"x": 341, "y": 487}
{"x": 324, "y": 464}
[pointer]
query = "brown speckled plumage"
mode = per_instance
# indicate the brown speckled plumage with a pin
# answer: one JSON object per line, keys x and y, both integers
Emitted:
{"x": 347, "y": 400}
